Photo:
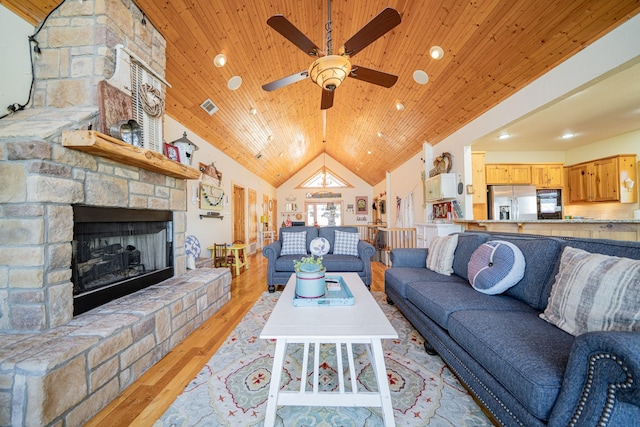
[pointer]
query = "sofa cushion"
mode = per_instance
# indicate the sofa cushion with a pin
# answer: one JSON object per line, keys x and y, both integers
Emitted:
{"x": 595, "y": 292}
{"x": 441, "y": 252}
{"x": 333, "y": 262}
{"x": 541, "y": 255}
{"x": 525, "y": 354}
{"x": 319, "y": 246}
{"x": 294, "y": 243}
{"x": 397, "y": 278}
{"x": 439, "y": 300}
{"x": 346, "y": 243}
{"x": 468, "y": 242}
{"x": 312, "y": 232}
{"x": 495, "y": 267}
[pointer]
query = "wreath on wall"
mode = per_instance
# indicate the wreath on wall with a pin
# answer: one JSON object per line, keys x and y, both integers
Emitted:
{"x": 152, "y": 100}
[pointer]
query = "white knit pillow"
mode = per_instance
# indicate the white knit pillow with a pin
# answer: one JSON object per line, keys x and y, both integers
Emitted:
{"x": 595, "y": 292}
{"x": 441, "y": 252}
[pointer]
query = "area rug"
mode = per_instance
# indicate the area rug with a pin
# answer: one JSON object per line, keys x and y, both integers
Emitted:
{"x": 232, "y": 388}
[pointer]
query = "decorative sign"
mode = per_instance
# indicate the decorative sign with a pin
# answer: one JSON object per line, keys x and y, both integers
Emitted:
{"x": 324, "y": 195}
{"x": 362, "y": 205}
{"x": 211, "y": 198}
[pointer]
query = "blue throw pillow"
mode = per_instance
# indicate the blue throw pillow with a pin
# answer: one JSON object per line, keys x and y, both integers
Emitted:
{"x": 294, "y": 243}
{"x": 346, "y": 243}
{"x": 495, "y": 267}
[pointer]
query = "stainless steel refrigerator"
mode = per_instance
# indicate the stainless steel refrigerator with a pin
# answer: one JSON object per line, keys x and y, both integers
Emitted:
{"x": 512, "y": 202}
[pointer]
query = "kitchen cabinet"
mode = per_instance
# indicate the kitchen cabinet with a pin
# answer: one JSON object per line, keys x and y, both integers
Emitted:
{"x": 479, "y": 181}
{"x": 440, "y": 187}
{"x": 547, "y": 175}
{"x": 602, "y": 180}
{"x": 426, "y": 232}
{"x": 508, "y": 174}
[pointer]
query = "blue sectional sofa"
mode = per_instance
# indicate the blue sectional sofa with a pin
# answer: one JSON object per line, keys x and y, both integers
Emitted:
{"x": 280, "y": 267}
{"x": 524, "y": 370}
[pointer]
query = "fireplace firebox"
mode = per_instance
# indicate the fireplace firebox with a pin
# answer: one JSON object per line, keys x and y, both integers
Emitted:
{"x": 117, "y": 252}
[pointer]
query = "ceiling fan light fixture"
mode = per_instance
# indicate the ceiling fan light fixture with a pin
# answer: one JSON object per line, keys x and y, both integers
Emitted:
{"x": 220, "y": 60}
{"x": 329, "y": 71}
{"x": 436, "y": 52}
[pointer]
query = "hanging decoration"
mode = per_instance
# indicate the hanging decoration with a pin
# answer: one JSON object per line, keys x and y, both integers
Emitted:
{"x": 152, "y": 100}
{"x": 442, "y": 164}
{"x": 212, "y": 171}
{"x": 211, "y": 198}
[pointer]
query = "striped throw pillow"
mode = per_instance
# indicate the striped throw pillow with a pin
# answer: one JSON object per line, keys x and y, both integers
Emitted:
{"x": 441, "y": 252}
{"x": 346, "y": 243}
{"x": 294, "y": 243}
{"x": 595, "y": 292}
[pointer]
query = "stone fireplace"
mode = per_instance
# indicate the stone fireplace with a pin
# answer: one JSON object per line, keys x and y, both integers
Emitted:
{"x": 57, "y": 368}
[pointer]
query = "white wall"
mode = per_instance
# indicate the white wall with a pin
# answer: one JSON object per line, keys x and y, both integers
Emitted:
{"x": 406, "y": 181}
{"x": 348, "y": 195}
{"x": 15, "y": 67}
{"x": 213, "y": 230}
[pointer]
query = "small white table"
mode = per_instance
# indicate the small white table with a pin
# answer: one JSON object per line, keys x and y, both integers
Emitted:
{"x": 361, "y": 323}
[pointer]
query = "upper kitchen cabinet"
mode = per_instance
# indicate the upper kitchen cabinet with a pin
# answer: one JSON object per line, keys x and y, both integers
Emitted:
{"x": 547, "y": 175}
{"x": 603, "y": 180}
{"x": 508, "y": 174}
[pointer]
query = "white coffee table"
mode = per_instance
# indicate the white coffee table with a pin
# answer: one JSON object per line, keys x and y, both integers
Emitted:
{"x": 361, "y": 323}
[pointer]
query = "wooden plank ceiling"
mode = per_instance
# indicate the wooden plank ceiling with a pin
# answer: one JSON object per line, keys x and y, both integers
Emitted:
{"x": 492, "y": 49}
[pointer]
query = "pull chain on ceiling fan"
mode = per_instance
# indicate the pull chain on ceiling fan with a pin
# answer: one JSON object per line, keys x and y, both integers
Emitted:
{"x": 329, "y": 71}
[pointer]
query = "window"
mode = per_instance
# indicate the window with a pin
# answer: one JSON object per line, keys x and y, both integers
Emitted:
{"x": 151, "y": 126}
{"x": 325, "y": 178}
{"x": 324, "y": 213}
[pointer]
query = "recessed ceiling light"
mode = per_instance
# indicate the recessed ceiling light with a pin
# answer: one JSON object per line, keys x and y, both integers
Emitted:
{"x": 220, "y": 60}
{"x": 368, "y": 151}
{"x": 568, "y": 136}
{"x": 420, "y": 77}
{"x": 436, "y": 52}
{"x": 504, "y": 136}
{"x": 380, "y": 134}
{"x": 253, "y": 111}
{"x": 399, "y": 106}
{"x": 270, "y": 138}
{"x": 234, "y": 82}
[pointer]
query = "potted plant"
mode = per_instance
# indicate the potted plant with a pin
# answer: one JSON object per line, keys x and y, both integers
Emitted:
{"x": 310, "y": 273}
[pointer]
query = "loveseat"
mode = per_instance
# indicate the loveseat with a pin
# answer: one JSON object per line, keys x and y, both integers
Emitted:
{"x": 353, "y": 256}
{"x": 523, "y": 369}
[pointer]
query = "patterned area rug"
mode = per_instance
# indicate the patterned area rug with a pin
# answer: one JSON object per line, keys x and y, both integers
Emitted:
{"x": 232, "y": 388}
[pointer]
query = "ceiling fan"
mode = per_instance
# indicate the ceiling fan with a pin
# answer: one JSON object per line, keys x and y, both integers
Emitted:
{"x": 329, "y": 70}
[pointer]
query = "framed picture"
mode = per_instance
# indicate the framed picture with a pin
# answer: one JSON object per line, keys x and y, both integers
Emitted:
{"x": 172, "y": 152}
{"x": 362, "y": 205}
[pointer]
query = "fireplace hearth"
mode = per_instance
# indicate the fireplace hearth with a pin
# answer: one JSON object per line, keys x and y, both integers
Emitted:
{"x": 118, "y": 251}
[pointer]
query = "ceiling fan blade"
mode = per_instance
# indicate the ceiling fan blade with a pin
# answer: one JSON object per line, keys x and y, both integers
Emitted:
{"x": 376, "y": 77}
{"x": 376, "y": 28}
{"x": 294, "y": 35}
{"x": 327, "y": 99}
{"x": 285, "y": 81}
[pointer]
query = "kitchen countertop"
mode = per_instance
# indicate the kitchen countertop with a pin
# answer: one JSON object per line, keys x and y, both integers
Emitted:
{"x": 549, "y": 221}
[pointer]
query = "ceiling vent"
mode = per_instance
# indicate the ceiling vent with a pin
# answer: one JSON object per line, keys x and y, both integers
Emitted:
{"x": 209, "y": 107}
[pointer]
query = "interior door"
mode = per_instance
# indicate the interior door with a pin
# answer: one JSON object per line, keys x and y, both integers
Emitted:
{"x": 253, "y": 216}
{"x": 239, "y": 220}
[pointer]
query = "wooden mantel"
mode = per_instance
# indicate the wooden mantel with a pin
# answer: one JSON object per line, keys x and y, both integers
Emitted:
{"x": 111, "y": 148}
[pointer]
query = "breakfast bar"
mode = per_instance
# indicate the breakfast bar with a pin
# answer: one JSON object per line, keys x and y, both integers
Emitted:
{"x": 617, "y": 229}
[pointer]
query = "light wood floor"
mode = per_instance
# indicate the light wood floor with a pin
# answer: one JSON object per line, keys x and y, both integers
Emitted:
{"x": 142, "y": 403}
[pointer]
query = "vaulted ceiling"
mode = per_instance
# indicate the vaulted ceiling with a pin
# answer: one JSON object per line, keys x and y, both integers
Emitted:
{"x": 492, "y": 49}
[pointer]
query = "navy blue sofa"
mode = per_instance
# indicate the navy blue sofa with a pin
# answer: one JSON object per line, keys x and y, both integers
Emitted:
{"x": 522, "y": 369}
{"x": 280, "y": 267}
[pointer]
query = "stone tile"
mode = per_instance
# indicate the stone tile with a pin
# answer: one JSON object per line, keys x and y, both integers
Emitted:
{"x": 46, "y": 401}
{"x": 136, "y": 351}
{"x": 106, "y": 190}
{"x": 54, "y": 190}
{"x": 28, "y": 256}
{"x": 106, "y": 325}
{"x": 22, "y": 231}
{"x": 104, "y": 373}
{"x": 56, "y": 353}
{"x": 144, "y": 327}
{"x": 29, "y": 150}
{"x": 109, "y": 347}
{"x": 17, "y": 192}
{"x": 163, "y": 325}
{"x": 91, "y": 406}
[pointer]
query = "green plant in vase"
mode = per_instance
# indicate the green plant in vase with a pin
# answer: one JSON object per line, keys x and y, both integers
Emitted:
{"x": 308, "y": 263}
